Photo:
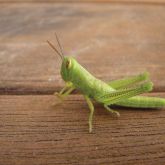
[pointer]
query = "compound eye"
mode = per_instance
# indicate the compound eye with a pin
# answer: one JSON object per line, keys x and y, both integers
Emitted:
{"x": 68, "y": 64}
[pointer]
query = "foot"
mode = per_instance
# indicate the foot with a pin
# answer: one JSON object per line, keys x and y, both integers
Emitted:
{"x": 60, "y": 96}
{"x": 59, "y": 100}
{"x": 112, "y": 111}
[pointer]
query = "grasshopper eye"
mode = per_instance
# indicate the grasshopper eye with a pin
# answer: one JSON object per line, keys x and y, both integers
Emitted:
{"x": 68, "y": 64}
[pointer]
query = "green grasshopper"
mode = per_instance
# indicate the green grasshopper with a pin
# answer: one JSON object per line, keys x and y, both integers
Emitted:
{"x": 121, "y": 92}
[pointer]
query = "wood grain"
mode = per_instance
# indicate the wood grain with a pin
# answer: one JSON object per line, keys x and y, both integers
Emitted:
{"x": 110, "y": 40}
{"x": 32, "y": 131}
{"x": 85, "y": 1}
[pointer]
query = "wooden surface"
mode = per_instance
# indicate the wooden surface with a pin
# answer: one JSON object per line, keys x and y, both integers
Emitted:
{"x": 34, "y": 132}
{"x": 111, "y": 40}
{"x": 87, "y": 1}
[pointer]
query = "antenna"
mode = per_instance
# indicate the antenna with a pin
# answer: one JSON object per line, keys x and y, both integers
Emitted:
{"x": 59, "y": 44}
{"x": 53, "y": 47}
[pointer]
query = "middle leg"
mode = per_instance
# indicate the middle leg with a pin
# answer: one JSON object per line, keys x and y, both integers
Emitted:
{"x": 91, "y": 108}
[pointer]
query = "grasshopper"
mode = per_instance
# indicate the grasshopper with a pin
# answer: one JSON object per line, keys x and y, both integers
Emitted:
{"x": 122, "y": 92}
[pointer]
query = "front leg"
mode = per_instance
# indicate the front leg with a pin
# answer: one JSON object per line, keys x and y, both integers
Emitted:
{"x": 68, "y": 88}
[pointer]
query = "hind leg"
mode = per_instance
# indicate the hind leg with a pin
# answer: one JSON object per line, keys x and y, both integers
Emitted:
{"x": 125, "y": 82}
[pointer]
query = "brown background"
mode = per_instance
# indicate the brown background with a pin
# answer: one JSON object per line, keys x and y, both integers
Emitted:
{"x": 112, "y": 40}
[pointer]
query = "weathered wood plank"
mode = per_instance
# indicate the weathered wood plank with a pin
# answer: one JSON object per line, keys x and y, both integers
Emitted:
{"x": 100, "y": 1}
{"x": 110, "y": 40}
{"x": 32, "y": 131}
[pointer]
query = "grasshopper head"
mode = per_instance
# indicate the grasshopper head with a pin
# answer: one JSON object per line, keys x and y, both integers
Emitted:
{"x": 67, "y": 62}
{"x": 66, "y": 67}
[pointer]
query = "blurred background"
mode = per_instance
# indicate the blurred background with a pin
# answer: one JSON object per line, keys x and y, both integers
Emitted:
{"x": 112, "y": 39}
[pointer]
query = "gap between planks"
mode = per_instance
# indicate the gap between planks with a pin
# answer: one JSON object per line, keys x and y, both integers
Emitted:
{"x": 46, "y": 91}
